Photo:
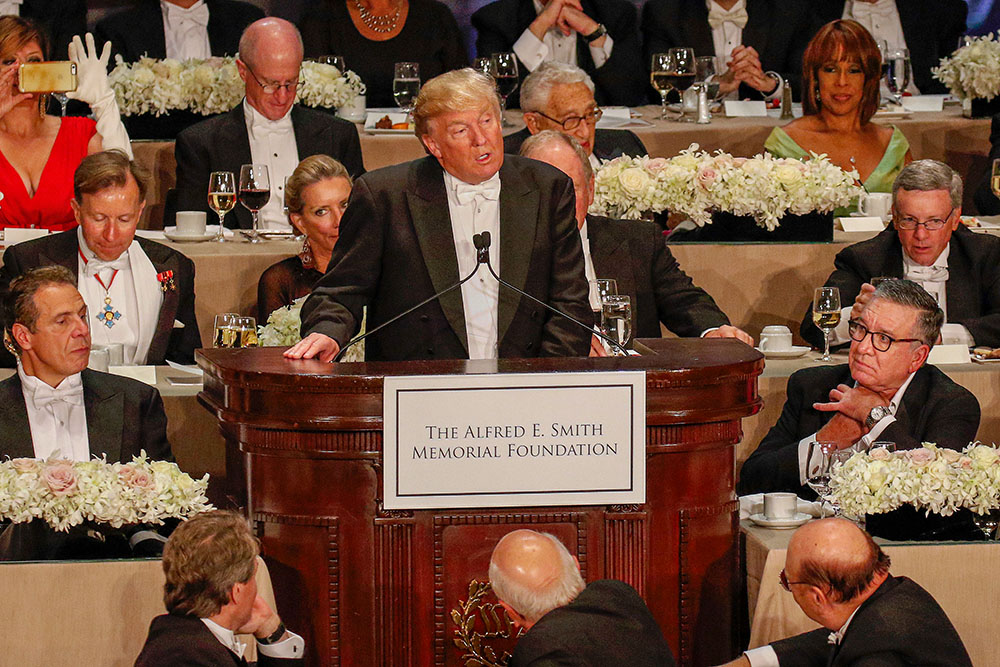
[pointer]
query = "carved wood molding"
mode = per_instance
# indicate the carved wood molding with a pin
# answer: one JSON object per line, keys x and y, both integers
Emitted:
{"x": 353, "y": 442}
{"x": 694, "y": 435}
{"x": 394, "y": 587}
{"x": 662, "y": 382}
{"x": 626, "y": 541}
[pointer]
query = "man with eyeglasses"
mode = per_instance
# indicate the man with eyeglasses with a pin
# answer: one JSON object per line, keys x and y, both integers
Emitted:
{"x": 267, "y": 128}
{"x": 927, "y": 244}
{"x": 560, "y": 97}
{"x": 840, "y": 579}
{"x": 886, "y": 391}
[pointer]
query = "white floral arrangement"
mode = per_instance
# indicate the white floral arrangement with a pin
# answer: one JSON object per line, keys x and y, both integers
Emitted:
{"x": 697, "y": 183}
{"x": 284, "y": 325}
{"x": 151, "y": 86}
{"x": 934, "y": 479}
{"x": 66, "y": 493}
{"x": 973, "y": 70}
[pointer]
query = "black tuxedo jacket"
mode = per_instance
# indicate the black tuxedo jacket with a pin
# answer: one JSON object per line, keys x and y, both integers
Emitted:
{"x": 607, "y": 624}
{"x": 931, "y": 29}
{"x": 185, "y": 640}
{"x": 987, "y": 202}
{"x": 138, "y": 31}
{"x": 900, "y": 624}
{"x": 634, "y": 254}
{"x": 933, "y": 409}
{"x": 778, "y": 30}
{"x": 61, "y": 19}
{"x": 169, "y": 342}
{"x": 608, "y": 144}
{"x": 222, "y": 144}
{"x": 621, "y": 80}
{"x": 396, "y": 249}
{"x": 973, "y": 288}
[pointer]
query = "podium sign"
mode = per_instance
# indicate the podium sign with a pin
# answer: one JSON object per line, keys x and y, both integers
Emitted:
{"x": 514, "y": 440}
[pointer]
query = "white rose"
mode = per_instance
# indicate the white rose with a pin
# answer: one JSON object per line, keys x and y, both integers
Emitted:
{"x": 787, "y": 174}
{"x": 686, "y": 160}
{"x": 983, "y": 455}
{"x": 633, "y": 180}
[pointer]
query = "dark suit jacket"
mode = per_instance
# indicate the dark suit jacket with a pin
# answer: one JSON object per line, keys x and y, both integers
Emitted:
{"x": 933, "y": 409}
{"x": 175, "y": 641}
{"x": 621, "y": 80}
{"x": 61, "y": 19}
{"x": 987, "y": 202}
{"x": 634, "y": 254}
{"x": 138, "y": 31}
{"x": 778, "y": 30}
{"x": 608, "y": 144}
{"x": 396, "y": 249}
{"x": 900, "y": 624}
{"x": 931, "y": 29}
{"x": 607, "y": 624}
{"x": 973, "y": 288}
{"x": 169, "y": 342}
{"x": 222, "y": 144}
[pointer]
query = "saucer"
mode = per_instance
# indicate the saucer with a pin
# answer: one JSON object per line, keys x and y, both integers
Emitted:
{"x": 794, "y": 352}
{"x": 781, "y": 524}
{"x": 210, "y": 233}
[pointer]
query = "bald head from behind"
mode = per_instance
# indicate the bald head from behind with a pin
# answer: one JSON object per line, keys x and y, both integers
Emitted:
{"x": 532, "y": 573}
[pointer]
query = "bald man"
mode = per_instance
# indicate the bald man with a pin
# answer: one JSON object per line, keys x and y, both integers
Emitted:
{"x": 840, "y": 579}
{"x": 538, "y": 583}
{"x": 266, "y": 128}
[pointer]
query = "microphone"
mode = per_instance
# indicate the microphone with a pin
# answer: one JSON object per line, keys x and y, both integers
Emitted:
{"x": 483, "y": 255}
{"x": 477, "y": 241}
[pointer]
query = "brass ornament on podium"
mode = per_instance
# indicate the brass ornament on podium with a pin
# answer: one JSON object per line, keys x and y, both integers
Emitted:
{"x": 496, "y": 625}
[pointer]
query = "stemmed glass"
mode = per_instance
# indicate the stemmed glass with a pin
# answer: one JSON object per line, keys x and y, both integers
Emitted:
{"x": 818, "y": 468}
{"x": 682, "y": 75}
{"x": 335, "y": 60}
{"x": 63, "y": 100}
{"x": 616, "y": 320}
{"x": 503, "y": 67}
{"x": 659, "y": 78}
{"x": 255, "y": 191}
{"x": 602, "y": 288}
{"x": 706, "y": 73}
{"x": 226, "y": 331}
{"x": 406, "y": 86}
{"x": 897, "y": 73}
{"x": 221, "y": 197}
{"x": 826, "y": 314}
{"x": 483, "y": 64}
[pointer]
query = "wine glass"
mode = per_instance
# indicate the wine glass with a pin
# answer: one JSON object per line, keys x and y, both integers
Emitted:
{"x": 483, "y": 64}
{"x": 616, "y": 320}
{"x": 406, "y": 86}
{"x": 601, "y": 288}
{"x": 247, "y": 328}
{"x": 226, "y": 333}
{"x": 335, "y": 60}
{"x": 897, "y": 73}
{"x": 706, "y": 72}
{"x": 255, "y": 191}
{"x": 63, "y": 100}
{"x": 503, "y": 67}
{"x": 659, "y": 78}
{"x": 221, "y": 197}
{"x": 826, "y": 314}
{"x": 682, "y": 75}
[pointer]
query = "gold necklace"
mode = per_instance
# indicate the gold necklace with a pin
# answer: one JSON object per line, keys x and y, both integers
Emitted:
{"x": 378, "y": 22}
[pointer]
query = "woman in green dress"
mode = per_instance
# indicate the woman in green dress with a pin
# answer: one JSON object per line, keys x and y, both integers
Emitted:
{"x": 841, "y": 69}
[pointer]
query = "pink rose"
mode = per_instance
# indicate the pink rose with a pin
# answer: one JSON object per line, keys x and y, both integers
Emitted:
{"x": 739, "y": 161}
{"x": 706, "y": 177}
{"x": 879, "y": 454}
{"x": 920, "y": 456}
{"x": 136, "y": 477}
{"x": 60, "y": 478}
{"x": 24, "y": 465}
{"x": 657, "y": 164}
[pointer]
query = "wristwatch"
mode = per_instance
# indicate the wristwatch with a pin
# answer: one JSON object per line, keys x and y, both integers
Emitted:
{"x": 877, "y": 414}
{"x": 596, "y": 35}
{"x": 274, "y": 636}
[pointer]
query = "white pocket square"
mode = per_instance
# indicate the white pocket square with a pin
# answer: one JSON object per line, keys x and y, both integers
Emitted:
{"x": 178, "y": 324}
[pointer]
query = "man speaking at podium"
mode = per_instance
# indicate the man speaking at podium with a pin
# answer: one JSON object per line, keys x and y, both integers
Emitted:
{"x": 407, "y": 235}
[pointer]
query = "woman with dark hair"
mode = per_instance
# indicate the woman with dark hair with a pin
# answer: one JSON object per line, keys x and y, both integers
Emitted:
{"x": 841, "y": 69}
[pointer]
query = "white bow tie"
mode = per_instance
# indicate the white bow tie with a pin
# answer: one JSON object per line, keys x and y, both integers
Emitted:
{"x": 44, "y": 395}
{"x": 489, "y": 189}
{"x": 96, "y": 265}
{"x": 717, "y": 16}
{"x": 927, "y": 274}
{"x": 196, "y": 16}
{"x": 859, "y": 9}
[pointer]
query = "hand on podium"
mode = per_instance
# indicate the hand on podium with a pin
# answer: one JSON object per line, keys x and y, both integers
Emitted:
{"x": 729, "y": 331}
{"x": 315, "y": 345}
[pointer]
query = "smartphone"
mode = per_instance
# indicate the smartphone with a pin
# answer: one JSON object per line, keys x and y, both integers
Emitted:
{"x": 49, "y": 77}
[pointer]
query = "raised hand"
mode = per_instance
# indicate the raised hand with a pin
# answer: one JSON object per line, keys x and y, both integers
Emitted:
{"x": 91, "y": 70}
{"x": 10, "y": 96}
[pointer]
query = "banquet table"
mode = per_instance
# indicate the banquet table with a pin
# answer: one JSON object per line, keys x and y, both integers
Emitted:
{"x": 947, "y": 570}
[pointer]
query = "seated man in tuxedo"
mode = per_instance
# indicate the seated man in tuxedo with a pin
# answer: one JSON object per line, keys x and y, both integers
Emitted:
{"x": 560, "y": 97}
{"x": 178, "y": 29}
{"x": 885, "y": 392}
{"x": 538, "y": 583}
{"x": 840, "y": 578}
{"x": 407, "y": 236}
{"x": 267, "y": 128}
{"x": 210, "y": 563}
{"x": 139, "y": 293}
{"x": 927, "y": 243}
{"x": 598, "y": 36}
{"x": 758, "y": 43}
{"x": 61, "y": 19}
{"x": 633, "y": 253}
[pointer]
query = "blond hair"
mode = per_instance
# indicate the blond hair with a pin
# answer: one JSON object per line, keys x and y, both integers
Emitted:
{"x": 458, "y": 90}
{"x": 310, "y": 171}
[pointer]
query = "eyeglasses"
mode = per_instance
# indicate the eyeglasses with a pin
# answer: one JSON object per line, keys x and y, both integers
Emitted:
{"x": 272, "y": 88}
{"x": 785, "y": 583}
{"x": 931, "y": 225}
{"x": 573, "y": 122}
{"x": 880, "y": 341}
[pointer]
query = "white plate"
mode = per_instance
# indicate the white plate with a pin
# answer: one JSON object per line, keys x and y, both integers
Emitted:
{"x": 394, "y": 116}
{"x": 210, "y": 233}
{"x": 781, "y": 524}
{"x": 794, "y": 352}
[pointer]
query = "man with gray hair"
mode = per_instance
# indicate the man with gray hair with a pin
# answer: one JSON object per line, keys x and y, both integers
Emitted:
{"x": 565, "y": 622}
{"x": 886, "y": 391}
{"x": 560, "y": 97}
{"x": 927, "y": 243}
{"x": 267, "y": 128}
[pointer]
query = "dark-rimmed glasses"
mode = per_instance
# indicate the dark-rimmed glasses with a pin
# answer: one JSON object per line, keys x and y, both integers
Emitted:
{"x": 880, "y": 341}
{"x": 931, "y": 225}
{"x": 573, "y": 122}
{"x": 272, "y": 88}
{"x": 785, "y": 583}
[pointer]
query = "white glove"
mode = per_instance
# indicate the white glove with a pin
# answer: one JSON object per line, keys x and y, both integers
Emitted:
{"x": 93, "y": 88}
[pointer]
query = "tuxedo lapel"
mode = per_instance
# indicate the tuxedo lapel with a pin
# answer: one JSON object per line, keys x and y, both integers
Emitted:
{"x": 609, "y": 253}
{"x": 168, "y": 308}
{"x": 105, "y": 410}
{"x": 692, "y": 21}
{"x": 760, "y": 22}
{"x": 305, "y": 133}
{"x": 518, "y": 219}
{"x": 431, "y": 218}
{"x": 149, "y": 36}
{"x": 15, "y": 436}
{"x": 63, "y": 250}
{"x": 963, "y": 287}
{"x": 914, "y": 399}
{"x": 234, "y": 149}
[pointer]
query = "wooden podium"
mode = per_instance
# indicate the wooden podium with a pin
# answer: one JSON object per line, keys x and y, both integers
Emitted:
{"x": 368, "y": 586}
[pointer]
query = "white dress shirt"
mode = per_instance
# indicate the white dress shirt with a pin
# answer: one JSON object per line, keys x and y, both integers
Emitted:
{"x": 588, "y": 269}
{"x": 56, "y": 416}
{"x": 291, "y": 647}
{"x": 186, "y": 30}
{"x": 728, "y": 35}
{"x": 881, "y": 19}
{"x": 764, "y": 656}
{"x": 12, "y": 7}
{"x": 272, "y": 142}
{"x": 117, "y": 277}
{"x": 481, "y": 295}
{"x": 555, "y": 46}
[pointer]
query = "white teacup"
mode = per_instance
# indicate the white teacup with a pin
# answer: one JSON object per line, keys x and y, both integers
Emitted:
{"x": 354, "y": 110}
{"x": 780, "y": 505}
{"x": 775, "y": 338}
{"x": 876, "y": 205}
{"x": 98, "y": 358}
{"x": 191, "y": 223}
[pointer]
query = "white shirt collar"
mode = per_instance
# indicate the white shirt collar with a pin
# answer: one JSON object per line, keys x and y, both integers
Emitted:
{"x": 226, "y": 636}
{"x": 72, "y": 383}
{"x": 452, "y": 182}
{"x": 897, "y": 399}
{"x": 257, "y": 122}
{"x": 880, "y": 7}
{"x": 838, "y": 636}
{"x": 739, "y": 5}
{"x": 942, "y": 259}
{"x": 174, "y": 12}
{"x": 89, "y": 254}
